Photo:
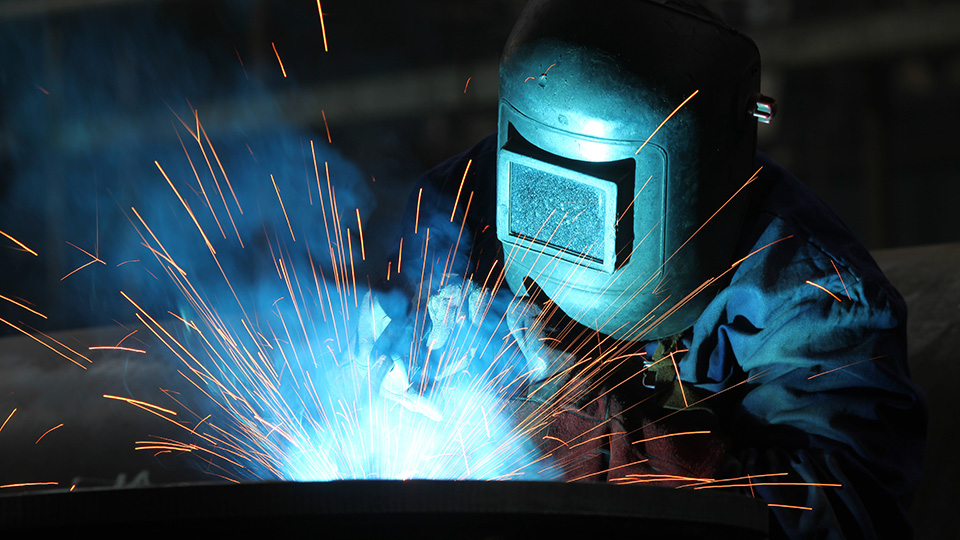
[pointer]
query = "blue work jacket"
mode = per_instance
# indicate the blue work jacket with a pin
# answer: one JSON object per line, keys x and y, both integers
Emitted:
{"x": 805, "y": 346}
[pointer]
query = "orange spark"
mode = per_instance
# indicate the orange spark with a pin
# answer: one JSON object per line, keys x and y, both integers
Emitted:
{"x": 709, "y": 219}
{"x": 544, "y": 74}
{"x": 141, "y": 404}
{"x": 197, "y": 176}
{"x": 748, "y": 477}
{"x": 61, "y": 344}
{"x": 416, "y": 222}
{"x": 241, "y": 64}
{"x": 846, "y": 366}
{"x": 22, "y": 484}
{"x": 126, "y": 336}
{"x": 323, "y": 28}
{"x": 548, "y": 437}
{"x": 194, "y": 430}
{"x": 610, "y": 469}
{"x": 670, "y": 435}
{"x": 648, "y": 478}
{"x": 187, "y": 207}
{"x": 31, "y": 336}
{"x": 42, "y": 89}
{"x": 48, "y": 431}
{"x": 676, "y": 369}
{"x": 363, "y": 250}
{"x": 352, "y": 273}
{"x": 459, "y": 190}
{"x": 400, "y": 256}
{"x": 17, "y": 242}
{"x": 116, "y": 348}
{"x": 77, "y": 270}
{"x": 808, "y": 484}
{"x": 466, "y": 85}
{"x": 130, "y": 261}
{"x": 665, "y": 120}
{"x": 790, "y": 506}
{"x": 23, "y": 306}
{"x": 96, "y": 258}
{"x": 460, "y": 234}
{"x": 323, "y": 113}
{"x": 760, "y": 249}
{"x": 282, "y": 208}
{"x": 8, "y": 419}
{"x": 841, "y": 280}
{"x": 835, "y": 297}
{"x": 629, "y": 206}
{"x": 165, "y": 256}
{"x": 222, "y": 171}
{"x": 316, "y": 171}
{"x": 284, "y": 71}
{"x": 598, "y": 437}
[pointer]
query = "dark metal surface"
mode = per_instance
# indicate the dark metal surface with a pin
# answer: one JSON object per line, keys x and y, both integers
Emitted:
{"x": 400, "y": 509}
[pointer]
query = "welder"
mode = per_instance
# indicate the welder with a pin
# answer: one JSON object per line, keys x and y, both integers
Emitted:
{"x": 690, "y": 309}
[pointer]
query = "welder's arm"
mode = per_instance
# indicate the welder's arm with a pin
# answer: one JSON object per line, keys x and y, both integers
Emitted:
{"x": 830, "y": 403}
{"x": 531, "y": 320}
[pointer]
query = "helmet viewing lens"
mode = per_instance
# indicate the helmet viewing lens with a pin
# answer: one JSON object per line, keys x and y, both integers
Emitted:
{"x": 559, "y": 211}
{"x": 567, "y": 208}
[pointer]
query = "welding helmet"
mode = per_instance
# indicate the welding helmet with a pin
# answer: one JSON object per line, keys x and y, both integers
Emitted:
{"x": 604, "y": 181}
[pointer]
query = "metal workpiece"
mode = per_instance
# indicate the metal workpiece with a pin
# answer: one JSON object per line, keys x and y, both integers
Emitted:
{"x": 399, "y": 509}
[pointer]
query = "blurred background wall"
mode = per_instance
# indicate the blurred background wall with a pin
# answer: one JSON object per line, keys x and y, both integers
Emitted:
{"x": 866, "y": 88}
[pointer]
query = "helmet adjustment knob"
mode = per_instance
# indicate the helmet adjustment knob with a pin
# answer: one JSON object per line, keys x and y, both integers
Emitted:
{"x": 763, "y": 108}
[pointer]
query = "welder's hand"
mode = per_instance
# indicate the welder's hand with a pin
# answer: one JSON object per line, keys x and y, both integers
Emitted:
{"x": 371, "y": 323}
{"x": 453, "y": 310}
{"x": 387, "y": 373}
{"x": 396, "y": 387}
{"x": 548, "y": 367}
{"x": 384, "y": 346}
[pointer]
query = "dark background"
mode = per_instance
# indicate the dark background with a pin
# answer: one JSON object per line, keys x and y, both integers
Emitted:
{"x": 866, "y": 92}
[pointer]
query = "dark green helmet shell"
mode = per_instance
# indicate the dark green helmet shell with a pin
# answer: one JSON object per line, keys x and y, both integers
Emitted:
{"x": 601, "y": 202}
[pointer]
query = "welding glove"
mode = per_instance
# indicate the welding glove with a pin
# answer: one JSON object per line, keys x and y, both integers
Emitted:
{"x": 533, "y": 324}
{"x": 385, "y": 371}
{"x": 453, "y": 311}
{"x": 385, "y": 348}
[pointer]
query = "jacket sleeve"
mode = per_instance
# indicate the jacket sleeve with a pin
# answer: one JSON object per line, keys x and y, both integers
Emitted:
{"x": 826, "y": 421}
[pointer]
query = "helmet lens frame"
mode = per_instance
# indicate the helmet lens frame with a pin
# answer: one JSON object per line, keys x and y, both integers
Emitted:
{"x": 560, "y": 212}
